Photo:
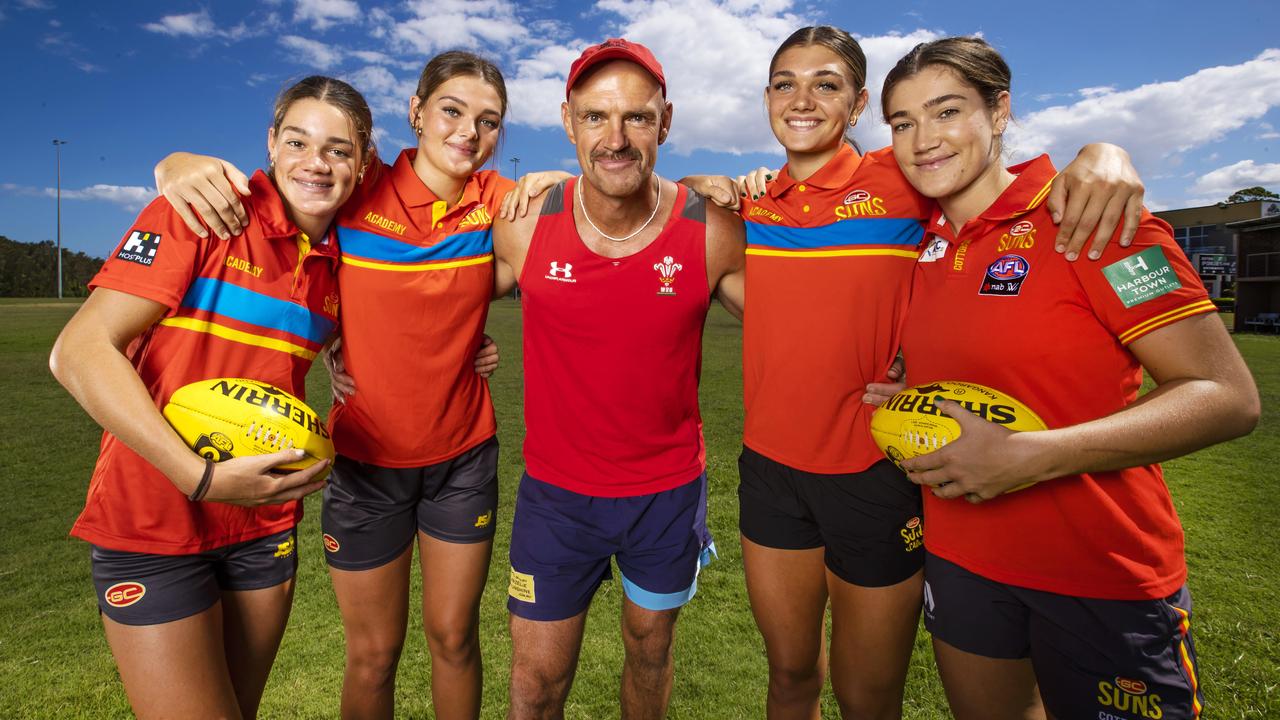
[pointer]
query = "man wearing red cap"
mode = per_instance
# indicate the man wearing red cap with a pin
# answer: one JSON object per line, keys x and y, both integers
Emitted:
{"x": 612, "y": 267}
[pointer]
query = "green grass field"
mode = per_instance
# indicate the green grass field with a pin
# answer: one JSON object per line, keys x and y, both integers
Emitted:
{"x": 55, "y": 663}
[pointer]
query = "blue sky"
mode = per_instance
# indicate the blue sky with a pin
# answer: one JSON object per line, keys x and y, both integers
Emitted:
{"x": 1191, "y": 89}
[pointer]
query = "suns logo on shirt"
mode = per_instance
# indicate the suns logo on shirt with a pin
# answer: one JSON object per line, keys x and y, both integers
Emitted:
{"x": 479, "y": 216}
{"x": 1020, "y": 237}
{"x": 860, "y": 203}
{"x": 667, "y": 270}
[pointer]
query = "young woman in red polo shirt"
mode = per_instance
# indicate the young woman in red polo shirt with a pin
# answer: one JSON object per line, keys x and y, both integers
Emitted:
{"x": 1076, "y": 584}
{"x": 414, "y": 426}
{"x": 194, "y": 562}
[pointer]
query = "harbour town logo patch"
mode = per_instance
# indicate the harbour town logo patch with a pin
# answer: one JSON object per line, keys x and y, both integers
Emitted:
{"x": 1141, "y": 277}
{"x": 141, "y": 247}
{"x": 667, "y": 270}
{"x": 1005, "y": 276}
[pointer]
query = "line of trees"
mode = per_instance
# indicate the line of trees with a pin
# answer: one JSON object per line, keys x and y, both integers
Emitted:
{"x": 30, "y": 270}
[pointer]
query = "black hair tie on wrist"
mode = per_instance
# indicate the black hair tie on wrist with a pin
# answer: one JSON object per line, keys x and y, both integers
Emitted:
{"x": 203, "y": 488}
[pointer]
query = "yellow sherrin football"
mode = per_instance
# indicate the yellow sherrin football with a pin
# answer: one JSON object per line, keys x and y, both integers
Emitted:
{"x": 909, "y": 424}
{"x": 222, "y": 418}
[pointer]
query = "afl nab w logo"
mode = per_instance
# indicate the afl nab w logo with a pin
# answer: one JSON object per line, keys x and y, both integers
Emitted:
{"x": 560, "y": 273}
{"x": 141, "y": 247}
{"x": 667, "y": 270}
{"x": 1005, "y": 276}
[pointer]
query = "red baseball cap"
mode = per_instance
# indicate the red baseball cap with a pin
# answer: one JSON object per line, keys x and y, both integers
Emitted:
{"x": 615, "y": 49}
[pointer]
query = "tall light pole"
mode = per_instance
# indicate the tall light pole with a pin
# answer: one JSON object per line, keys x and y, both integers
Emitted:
{"x": 515, "y": 168}
{"x": 57, "y": 151}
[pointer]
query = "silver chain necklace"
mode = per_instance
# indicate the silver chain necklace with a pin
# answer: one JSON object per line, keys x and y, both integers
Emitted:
{"x": 607, "y": 236}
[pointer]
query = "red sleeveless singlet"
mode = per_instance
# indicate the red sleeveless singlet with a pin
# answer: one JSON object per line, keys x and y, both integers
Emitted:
{"x": 612, "y": 354}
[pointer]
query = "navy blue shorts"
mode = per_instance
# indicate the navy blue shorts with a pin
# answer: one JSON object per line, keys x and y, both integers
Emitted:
{"x": 869, "y": 523}
{"x": 1108, "y": 659}
{"x": 147, "y": 589}
{"x": 561, "y": 543}
{"x": 372, "y": 513}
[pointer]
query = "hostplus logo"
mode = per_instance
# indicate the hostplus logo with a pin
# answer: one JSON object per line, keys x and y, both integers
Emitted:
{"x": 141, "y": 247}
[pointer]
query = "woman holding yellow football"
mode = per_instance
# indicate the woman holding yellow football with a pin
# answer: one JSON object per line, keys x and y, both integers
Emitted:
{"x": 1078, "y": 582}
{"x": 194, "y": 562}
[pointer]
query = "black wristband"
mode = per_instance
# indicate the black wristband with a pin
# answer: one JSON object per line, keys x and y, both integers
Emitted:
{"x": 203, "y": 488}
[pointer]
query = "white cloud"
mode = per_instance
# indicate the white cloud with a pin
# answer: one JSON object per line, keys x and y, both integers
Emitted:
{"x": 201, "y": 25}
{"x": 1218, "y": 184}
{"x": 1099, "y": 91}
{"x": 1157, "y": 122}
{"x": 129, "y": 197}
{"x": 312, "y": 52}
{"x": 883, "y": 52}
{"x": 323, "y": 14}
{"x": 387, "y": 95}
{"x": 715, "y": 57}
{"x": 196, "y": 24}
{"x": 484, "y": 25}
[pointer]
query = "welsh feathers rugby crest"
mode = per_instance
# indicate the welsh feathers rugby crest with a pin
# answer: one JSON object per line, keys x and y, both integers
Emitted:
{"x": 667, "y": 270}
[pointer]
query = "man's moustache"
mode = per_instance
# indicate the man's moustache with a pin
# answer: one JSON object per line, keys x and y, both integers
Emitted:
{"x": 616, "y": 156}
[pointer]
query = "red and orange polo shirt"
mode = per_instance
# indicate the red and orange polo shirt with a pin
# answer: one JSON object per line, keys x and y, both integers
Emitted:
{"x": 416, "y": 279}
{"x": 829, "y": 263}
{"x": 261, "y": 306}
{"x": 995, "y": 304}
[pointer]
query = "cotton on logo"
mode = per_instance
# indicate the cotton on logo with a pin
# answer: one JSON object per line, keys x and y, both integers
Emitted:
{"x": 561, "y": 273}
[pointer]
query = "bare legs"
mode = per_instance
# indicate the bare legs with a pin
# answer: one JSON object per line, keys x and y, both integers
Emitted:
{"x": 789, "y": 591}
{"x": 211, "y": 665}
{"x": 374, "y": 605}
{"x": 545, "y": 657}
